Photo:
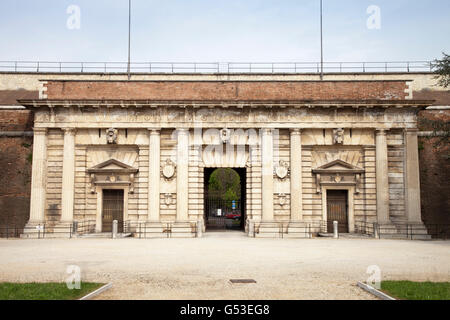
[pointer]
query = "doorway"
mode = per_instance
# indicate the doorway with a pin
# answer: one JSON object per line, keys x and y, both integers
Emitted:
{"x": 224, "y": 198}
{"x": 337, "y": 210}
{"x": 113, "y": 201}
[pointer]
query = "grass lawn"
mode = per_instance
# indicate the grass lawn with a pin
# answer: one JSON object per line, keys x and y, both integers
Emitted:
{"x": 44, "y": 291}
{"x": 408, "y": 290}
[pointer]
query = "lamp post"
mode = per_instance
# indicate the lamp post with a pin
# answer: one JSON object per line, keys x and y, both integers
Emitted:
{"x": 129, "y": 40}
{"x": 321, "y": 39}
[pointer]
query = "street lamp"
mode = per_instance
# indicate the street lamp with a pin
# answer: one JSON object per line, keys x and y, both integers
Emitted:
{"x": 129, "y": 40}
{"x": 321, "y": 40}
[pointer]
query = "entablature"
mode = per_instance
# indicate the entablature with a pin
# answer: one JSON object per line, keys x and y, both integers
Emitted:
{"x": 355, "y": 104}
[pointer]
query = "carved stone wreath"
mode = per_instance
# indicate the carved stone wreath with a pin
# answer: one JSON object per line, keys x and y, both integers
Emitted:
{"x": 168, "y": 199}
{"x": 282, "y": 199}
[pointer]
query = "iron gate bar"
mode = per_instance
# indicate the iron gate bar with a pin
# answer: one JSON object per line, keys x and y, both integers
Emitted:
{"x": 230, "y": 213}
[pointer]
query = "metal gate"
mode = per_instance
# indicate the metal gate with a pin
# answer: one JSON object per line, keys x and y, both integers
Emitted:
{"x": 337, "y": 209}
{"x": 112, "y": 209}
{"x": 223, "y": 214}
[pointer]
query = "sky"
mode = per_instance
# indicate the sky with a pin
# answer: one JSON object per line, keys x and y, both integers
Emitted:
{"x": 224, "y": 30}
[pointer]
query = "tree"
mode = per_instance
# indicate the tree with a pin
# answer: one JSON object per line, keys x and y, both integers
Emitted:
{"x": 442, "y": 68}
{"x": 440, "y": 128}
{"x": 225, "y": 184}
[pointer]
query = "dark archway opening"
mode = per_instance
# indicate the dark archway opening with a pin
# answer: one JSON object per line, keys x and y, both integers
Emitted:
{"x": 225, "y": 198}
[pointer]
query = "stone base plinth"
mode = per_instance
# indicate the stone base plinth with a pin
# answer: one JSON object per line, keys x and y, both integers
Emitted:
{"x": 286, "y": 229}
{"x": 158, "y": 230}
{"x": 184, "y": 230}
{"x": 403, "y": 230}
{"x": 302, "y": 230}
{"x": 33, "y": 230}
{"x": 268, "y": 229}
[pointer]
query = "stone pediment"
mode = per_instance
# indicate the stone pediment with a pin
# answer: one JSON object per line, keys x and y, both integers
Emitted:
{"x": 338, "y": 173}
{"x": 338, "y": 166}
{"x": 112, "y": 173}
{"x": 112, "y": 166}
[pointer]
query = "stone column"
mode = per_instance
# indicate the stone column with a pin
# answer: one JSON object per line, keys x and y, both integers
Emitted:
{"x": 38, "y": 178}
{"x": 68, "y": 176}
{"x": 382, "y": 177}
{"x": 296, "y": 176}
{"x": 413, "y": 207}
{"x": 182, "y": 174}
{"x": 154, "y": 164}
{"x": 267, "y": 174}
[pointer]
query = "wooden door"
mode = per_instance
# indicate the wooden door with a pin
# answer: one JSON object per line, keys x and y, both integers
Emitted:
{"x": 112, "y": 209}
{"x": 337, "y": 210}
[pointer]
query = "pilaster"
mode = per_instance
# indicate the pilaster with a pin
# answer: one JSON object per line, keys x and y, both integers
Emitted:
{"x": 182, "y": 174}
{"x": 154, "y": 175}
{"x": 382, "y": 180}
{"x": 39, "y": 175}
{"x": 68, "y": 176}
{"x": 267, "y": 174}
{"x": 413, "y": 206}
{"x": 296, "y": 176}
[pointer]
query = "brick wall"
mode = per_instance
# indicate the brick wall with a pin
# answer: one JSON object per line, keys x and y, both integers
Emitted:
{"x": 227, "y": 91}
{"x": 434, "y": 172}
{"x": 15, "y": 164}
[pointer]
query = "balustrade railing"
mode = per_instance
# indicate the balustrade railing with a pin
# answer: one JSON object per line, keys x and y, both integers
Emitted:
{"x": 215, "y": 67}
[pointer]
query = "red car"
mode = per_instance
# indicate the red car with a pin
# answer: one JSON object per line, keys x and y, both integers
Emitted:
{"x": 233, "y": 216}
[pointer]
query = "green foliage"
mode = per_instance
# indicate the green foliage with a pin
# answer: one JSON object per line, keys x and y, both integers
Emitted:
{"x": 225, "y": 184}
{"x": 230, "y": 195}
{"x": 442, "y": 68}
{"x": 408, "y": 290}
{"x": 44, "y": 291}
{"x": 30, "y": 158}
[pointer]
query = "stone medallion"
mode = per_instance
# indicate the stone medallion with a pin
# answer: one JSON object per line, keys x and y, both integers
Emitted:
{"x": 168, "y": 169}
{"x": 282, "y": 169}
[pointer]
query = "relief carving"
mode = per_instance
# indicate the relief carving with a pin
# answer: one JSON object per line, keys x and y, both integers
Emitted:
{"x": 168, "y": 170}
{"x": 225, "y": 135}
{"x": 282, "y": 169}
{"x": 111, "y": 136}
{"x": 282, "y": 199}
{"x": 168, "y": 199}
{"x": 338, "y": 135}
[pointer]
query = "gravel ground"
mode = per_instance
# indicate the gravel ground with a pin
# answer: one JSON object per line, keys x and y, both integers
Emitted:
{"x": 201, "y": 268}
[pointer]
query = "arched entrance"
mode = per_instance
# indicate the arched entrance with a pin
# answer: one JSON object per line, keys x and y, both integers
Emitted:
{"x": 225, "y": 198}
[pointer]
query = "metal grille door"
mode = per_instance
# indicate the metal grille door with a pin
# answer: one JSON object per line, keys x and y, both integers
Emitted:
{"x": 112, "y": 209}
{"x": 337, "y": 210}
{"x": 223, "y": 214}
